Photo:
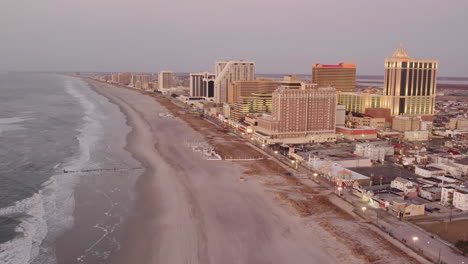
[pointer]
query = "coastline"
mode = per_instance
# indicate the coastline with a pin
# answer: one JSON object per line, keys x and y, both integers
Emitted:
{"x": 180, "y": 215}
{"x": 102, "y": 198}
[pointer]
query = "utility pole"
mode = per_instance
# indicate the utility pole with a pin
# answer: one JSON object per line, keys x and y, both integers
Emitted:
{"x": 438, "y": 261}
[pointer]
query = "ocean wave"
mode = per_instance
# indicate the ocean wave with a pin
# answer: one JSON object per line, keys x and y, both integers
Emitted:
{"x": 12, "y": 123}
{"x": 48, "y": 213}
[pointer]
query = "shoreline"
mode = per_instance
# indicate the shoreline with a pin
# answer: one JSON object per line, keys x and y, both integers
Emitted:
{"x": 101, "y": 198}
{"x": 272, "y": 191}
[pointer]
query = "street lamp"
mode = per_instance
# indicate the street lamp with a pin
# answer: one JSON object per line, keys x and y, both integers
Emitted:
{"x": 263, "y": 145}
{"x": 294, "y": 162}
{"x": 276, "y": 152}
{"x": 415, "y": 238}
{"x": 364, "y": 209}
{"x": 315, "y": 174}
{"x": 339, "y": 190}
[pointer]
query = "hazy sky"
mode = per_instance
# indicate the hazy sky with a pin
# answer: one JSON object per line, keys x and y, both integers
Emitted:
{"x": 189, "y": 35}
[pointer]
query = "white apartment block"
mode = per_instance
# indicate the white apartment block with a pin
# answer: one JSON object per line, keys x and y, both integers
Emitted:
{"x": 458, "y": 124}
{"x": 460, "y": 199}
{"x": 403, "y": 185}
{"x": 165, "y": 80}
{"x": 428, "y": 171}
{"x": 417, "y": 135}
{"x": 374, "y": 152}
{"x": 228, "y": 72}
{"x": 430, "y": 193}
{"x": 446, "y": 196}
{"x": 426, "y": 126}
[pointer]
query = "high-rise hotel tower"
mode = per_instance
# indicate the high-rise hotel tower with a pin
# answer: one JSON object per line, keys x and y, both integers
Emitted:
{"x": 410, "y": 84}
{"x": 228, "y": 72}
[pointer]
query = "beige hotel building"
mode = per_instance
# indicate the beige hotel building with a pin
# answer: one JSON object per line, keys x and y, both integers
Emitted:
{"x": 305, "y": 115}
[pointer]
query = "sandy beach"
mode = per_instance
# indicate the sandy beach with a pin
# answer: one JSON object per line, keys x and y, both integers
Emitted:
{"x": 192, "y": 210}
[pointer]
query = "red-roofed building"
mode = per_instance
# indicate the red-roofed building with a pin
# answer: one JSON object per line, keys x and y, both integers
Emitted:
{"x": 356, "y": 133}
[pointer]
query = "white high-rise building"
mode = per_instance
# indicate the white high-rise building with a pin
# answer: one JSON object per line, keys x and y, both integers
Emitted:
{"x": 228, "y": 72}
{"x": 201, "y": 84}
{"x": 165, "y": 80}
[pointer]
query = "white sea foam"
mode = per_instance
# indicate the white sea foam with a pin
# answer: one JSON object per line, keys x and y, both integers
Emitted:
{"x": 50, "y": 212}
{"x": 13, "y": 123}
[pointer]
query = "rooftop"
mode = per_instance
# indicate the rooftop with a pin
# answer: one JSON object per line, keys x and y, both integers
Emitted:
{"x": 357, "y": 128}
{"x": 463, "y": 161}
{"x": 339, "y": 65}
{"x": 400, "y": 52}
{"x": 402, "y": 180}
{"x": 429, "y": 168}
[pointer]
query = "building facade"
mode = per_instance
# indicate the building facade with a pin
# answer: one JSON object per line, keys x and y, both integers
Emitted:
{"x": 404, "y": 185}
{"x": 253, "y": 104}
{"x": 202, "y": 84}
{"x": 406, "y": 123}
{"x": 358, "y": 119}
{"x": 410, "y": 84}
{"x": 305, "y": 115}
{"x": 141, "y": 81}
{"x": 358, "y": 133}
{"x": 416, "y": 135}
{"x": 340, "y": 115}
{"x": 341, "y": 76}
{"x": 458, "y": 124}
{"x": 165, "y": 80}
{"x": 240, "y": 89}
{"x": 376, "y": 152}
{"x": 359, "y": 102}
{"x": 460, "y": 199}
{"x": 124, "y": 78}
{"x": 228, "y": 72}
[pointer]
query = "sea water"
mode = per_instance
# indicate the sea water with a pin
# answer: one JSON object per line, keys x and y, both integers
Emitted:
{"x": 49, "y": 123}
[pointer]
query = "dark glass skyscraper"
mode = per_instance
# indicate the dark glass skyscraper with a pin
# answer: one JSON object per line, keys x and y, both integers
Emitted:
{"x": 410, "y": 84}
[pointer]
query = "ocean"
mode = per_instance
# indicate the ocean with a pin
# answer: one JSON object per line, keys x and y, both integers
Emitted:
{"x": 50, "y": 123}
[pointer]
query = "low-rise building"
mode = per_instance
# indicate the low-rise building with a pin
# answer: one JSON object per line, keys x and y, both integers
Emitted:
{"x": 430, "y": 193}
{"x": 458, "y": 124}
{"x": 406, "y": 123}
{"x": 460, "y": 199}
{"x": 418, "y": 135}
{"x": 376, "y": 152}
{"x": 463, "y": 165}
{"x": 446, "y": 195}
{"x": 402, "y": 184}
{"x": 359, "y": 133}
{"x": 428, "y": 171}
{"x": 359, "y": 119}
{"x": 426, "y": 125}
{"x": 406, "y": 208}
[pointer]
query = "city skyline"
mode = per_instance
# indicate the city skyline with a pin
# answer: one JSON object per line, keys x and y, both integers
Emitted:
{"x": 34, "y": 40}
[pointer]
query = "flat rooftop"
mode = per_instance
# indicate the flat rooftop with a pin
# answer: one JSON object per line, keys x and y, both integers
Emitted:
{"x": 430, "y": 168}
{"x": 358, "y": 128}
